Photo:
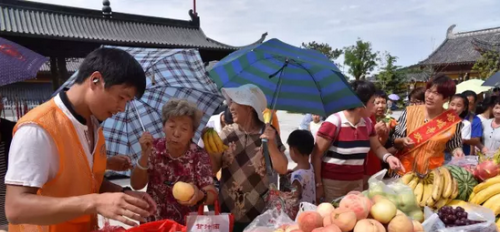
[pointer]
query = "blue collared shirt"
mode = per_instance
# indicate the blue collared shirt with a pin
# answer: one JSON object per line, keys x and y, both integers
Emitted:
{"x": 476, "y": 130}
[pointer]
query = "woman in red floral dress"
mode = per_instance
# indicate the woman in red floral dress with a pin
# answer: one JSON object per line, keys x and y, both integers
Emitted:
{"x": 175, "y": 158}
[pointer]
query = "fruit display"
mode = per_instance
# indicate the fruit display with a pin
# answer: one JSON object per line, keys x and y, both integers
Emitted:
{"x": 453, "y": 217}
{"x": 466, "y": 181}
{"x": 487, "y": 194}
{"x": 213, "y": 143}
{"x": 434, "y": 190}
{"x": 356, "y": 213}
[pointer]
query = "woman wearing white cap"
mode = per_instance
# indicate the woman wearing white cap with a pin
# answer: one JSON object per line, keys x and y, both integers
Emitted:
{"x": 244, "y": 181}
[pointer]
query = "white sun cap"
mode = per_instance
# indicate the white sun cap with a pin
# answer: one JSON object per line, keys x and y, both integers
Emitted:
{"x": 248, "y": 95}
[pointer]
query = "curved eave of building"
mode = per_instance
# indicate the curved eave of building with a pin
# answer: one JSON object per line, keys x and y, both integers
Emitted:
{"x": 447, "y": 64}
{"x": 122, "y": 42}
{"x": 259, "y": 41}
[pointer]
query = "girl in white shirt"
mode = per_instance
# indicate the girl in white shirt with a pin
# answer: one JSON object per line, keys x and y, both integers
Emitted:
{"x": 460, "y": 104}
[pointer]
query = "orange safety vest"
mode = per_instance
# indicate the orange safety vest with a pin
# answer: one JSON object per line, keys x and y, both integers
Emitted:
{"x": 430, "y": 139}
{"x": 74, "y": 177}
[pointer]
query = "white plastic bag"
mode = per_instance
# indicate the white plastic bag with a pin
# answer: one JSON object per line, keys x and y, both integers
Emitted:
{"x": 269, "y": 221}
{"x": 395, "y": 191}
{"x": 305, "y": 207}
{"x": 432, "y": 222}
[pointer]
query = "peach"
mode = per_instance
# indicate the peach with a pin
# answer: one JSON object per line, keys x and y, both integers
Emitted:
{"x": 309, "y": 221}
{"x": 344, "y": 218}
{"x": 369, "y": 225}
{"x": 357, "y": 204}
{"x": 327, "y": 220}
{"x": 331, "y": 228}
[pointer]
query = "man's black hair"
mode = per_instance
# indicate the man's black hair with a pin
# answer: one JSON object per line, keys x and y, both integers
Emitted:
{"x": 381, "y": 94}
{"x": 470, "y": 93}
{"x": 302, "y": 140}
{"x": 116, "y": 66}
{"x": 364, "y": 90}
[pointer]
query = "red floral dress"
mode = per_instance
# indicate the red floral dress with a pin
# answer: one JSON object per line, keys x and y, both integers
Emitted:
{"x": 165, "y": 171}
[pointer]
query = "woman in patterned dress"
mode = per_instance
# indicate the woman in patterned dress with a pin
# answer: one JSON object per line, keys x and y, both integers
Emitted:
{"x": 244, "y": 182}
{"x": 176, "y": 157}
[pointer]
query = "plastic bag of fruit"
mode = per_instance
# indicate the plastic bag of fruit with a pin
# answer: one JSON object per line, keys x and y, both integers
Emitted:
{"x": 305, "y": 207}
{"x": 469, "y": 162}
{"x": 469, "y": 218}
{"x": 395, "y": 191}
{"x": 269, "y": 221}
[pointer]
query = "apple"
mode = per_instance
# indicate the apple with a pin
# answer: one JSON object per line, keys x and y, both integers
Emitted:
{"x": 417, "y": 215}
{"x": 383, "y": 211}
{"x": 407, "y": 202}
{"x": 376, "y": 189}
{"x": 377, "y": 198}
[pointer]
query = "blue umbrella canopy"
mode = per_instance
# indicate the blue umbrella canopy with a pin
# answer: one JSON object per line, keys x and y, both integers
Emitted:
{"x": 310, "y": 82}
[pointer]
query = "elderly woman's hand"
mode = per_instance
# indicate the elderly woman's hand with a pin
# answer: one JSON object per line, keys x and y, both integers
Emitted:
{"x": 197, "y": 197}
{"x": 146, "y": 142}
{"x": 269, "y": 133}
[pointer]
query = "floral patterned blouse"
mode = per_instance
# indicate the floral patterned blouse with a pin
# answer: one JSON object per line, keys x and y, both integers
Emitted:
{"x": 164, "y": 171}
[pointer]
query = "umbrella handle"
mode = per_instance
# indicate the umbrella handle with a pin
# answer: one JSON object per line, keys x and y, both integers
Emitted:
{"x": 138, "y": 116}
{"x": 267, "y": 157}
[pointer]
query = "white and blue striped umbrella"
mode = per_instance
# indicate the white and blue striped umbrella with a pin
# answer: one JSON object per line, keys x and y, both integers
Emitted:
{"x": 177, "y": 73}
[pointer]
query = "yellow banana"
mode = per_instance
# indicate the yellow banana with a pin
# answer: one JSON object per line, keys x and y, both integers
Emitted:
{"x": 407, "y": 178}
{"x": 267, "y": 115}
{"x": 427, "y": 194}
{"x": 442, "y": 202}
{"x": 455, "y": 190}
{"x": 413, "y": 183}
{"x": 217, "y": 141}
{"x": 472, "y": 194}
{"x": 438, "y": 185}
{"x": 486, "y": 184}
{"x": 486, "y": 194}
{"x": 493, "y": 204}
{"x": 211, "y": 143}
{"x": 205, "y": 142}
{"x": 419, "y": 190}
{"x": 447, "y": 182}
{"x": 430, "y": 202}
{"x": 457, "y": 203}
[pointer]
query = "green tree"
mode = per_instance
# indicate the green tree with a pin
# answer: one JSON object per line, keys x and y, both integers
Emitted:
{"x": 488, "y": 64}
{"x": 324, "y": 48}
{"x": 392, "y": 77}
{"x": 360, "y": 58}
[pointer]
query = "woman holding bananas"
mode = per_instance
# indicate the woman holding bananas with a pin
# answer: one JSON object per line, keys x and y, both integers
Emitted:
{"x": 244, "y": 181}
{"x": 424, "y": 132}
{"x": 174, "y": 158}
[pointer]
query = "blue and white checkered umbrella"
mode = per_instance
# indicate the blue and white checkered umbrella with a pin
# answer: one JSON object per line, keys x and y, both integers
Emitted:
{"x": 170, "y": 74}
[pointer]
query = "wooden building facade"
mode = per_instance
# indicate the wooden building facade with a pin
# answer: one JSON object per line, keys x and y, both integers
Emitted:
{"x": 458, "y": 53}
{"x": 67, "y": 34}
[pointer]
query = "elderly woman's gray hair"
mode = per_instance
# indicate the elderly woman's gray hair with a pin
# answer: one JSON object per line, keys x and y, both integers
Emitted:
{"x": 181, "y": 107}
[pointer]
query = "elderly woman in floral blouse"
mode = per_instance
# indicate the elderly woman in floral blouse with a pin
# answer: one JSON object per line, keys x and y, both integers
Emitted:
{"x": 175, "y": 158}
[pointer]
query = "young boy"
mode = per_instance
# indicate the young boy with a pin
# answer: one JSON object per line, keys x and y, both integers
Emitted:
{"x": 301, "y": 144}
{"x": 315, "y": 124}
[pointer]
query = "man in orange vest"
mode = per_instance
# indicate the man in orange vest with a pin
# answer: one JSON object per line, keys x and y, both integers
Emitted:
{"x": 55, "y": 178}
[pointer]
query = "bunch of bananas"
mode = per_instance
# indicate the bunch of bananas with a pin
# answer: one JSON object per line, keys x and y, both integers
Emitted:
{"x": 487, "y": 193}
{"x": 212, "y": 141}
{"x": 435, "y": 190}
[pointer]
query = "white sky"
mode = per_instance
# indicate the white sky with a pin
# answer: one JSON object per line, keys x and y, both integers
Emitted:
{"x": 408, "y": 29}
